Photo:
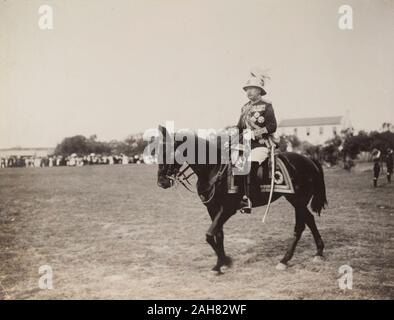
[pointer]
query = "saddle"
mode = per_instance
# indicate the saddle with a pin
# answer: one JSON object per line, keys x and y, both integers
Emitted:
{"x": 225, "y": 180}
{"x": 282, "y": 177}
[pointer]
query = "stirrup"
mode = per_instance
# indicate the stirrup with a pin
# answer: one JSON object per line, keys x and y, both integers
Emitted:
{"x": 248, "y": 207}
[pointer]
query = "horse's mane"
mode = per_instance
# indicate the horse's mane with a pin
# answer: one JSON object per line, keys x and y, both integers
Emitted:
{"x": 208, "y": 142}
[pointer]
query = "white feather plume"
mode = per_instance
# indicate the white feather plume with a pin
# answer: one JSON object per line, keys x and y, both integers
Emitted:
{"x": 261, "y": 74}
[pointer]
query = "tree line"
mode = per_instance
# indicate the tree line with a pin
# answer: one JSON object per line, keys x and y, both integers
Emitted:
{"x": 343, "y": 145}
{"x": 131, "y": 146}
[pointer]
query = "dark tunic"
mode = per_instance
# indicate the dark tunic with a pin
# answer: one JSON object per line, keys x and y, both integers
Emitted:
{"x": 259, "y": 117}
{"x": 376, "y": 164}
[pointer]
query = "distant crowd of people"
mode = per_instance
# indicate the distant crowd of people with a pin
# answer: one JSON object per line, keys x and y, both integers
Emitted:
{"x": 72, "y": 160}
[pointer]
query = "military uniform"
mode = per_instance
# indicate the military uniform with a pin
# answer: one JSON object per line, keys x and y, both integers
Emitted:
{"x": 259, "y": 117}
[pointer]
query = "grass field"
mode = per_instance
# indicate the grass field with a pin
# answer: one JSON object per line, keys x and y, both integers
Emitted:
{"x": 110, "y": 232}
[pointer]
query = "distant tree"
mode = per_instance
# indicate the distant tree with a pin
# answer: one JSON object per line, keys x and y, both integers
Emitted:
{"x": 387, "y": 126}
{"x": 382, "y": 140}
{"x": 353, "y": 144}
{"x": 331, "y": 150}
{"x": 81, "y": 145}
{"x": 363, "y": 141}
{"x": 309, "y": 149}
{"x": 294, "y": 141}
{"x": 118, "y": 147}
{"x": 286, "y": 140}
{"x": 351, "y": 147}
{"x": 283, "y": 143}
{"x": 136, "y": 144}
{"x": 97, "y": 147}
{"x": 76, "y": 144}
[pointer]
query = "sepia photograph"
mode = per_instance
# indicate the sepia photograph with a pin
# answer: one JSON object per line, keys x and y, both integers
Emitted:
{"x": 216, "y": 151}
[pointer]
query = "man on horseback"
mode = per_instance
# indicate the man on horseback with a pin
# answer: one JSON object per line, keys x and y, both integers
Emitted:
{"x": 306, "y": 173}
{"x": 258, "y": 116}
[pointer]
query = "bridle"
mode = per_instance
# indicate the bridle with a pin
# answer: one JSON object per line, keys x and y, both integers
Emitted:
{"x": 182, "y": 178}
{"x": 177, "y": 176}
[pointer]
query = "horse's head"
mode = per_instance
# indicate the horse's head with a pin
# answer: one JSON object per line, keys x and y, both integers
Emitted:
{"x": 168, "y": 169}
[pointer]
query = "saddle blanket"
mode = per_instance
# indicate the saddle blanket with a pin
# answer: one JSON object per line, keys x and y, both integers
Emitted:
{"x": 282, "y": 182}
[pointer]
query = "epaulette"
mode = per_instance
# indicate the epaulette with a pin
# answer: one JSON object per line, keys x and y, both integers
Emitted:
{"x": 244, "y": 106}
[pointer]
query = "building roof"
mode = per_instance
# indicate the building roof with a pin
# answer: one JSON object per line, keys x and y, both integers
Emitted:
{"x": 309, "y": 122}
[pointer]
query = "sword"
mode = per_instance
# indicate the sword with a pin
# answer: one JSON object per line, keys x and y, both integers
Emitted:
{"x": 272, "y": 179}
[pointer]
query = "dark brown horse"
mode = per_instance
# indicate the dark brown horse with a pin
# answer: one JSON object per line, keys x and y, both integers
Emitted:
{"x": 306, "y": 175}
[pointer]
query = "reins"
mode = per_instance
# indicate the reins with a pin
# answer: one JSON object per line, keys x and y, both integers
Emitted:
{"x": 183, "y": 179}
{"x": 213, "y": 181}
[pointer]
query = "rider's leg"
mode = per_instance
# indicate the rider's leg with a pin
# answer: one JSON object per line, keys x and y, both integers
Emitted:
{"x": 258, "y": 155}
{"x": 251, "y": 180}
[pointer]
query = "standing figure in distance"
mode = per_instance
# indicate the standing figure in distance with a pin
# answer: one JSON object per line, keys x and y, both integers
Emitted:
{"x": 376, "y": 166}
{"x": 389, "y": 164}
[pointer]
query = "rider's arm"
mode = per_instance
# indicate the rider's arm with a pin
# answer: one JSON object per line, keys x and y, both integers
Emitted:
{"x": 240, "y": 124}
{"x": 270, "y": 120}
{"x": 268, "y": 125}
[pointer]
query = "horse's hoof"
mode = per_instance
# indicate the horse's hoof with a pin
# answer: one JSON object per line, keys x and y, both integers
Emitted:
{"x": 281, "y": 266}
{"x": 318, "y": 259}
{"x": 225, "y": 267}
{"x": 228, "y": 262}
{"x": 216, "y": 271}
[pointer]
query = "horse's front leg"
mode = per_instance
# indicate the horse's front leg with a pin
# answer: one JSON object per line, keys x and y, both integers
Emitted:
{"x": 210, "y": 236}
{"x": 223, "y": 259}
{"x": 215, "y": 237}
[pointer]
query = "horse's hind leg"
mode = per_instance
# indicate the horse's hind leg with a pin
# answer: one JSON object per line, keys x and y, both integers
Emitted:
{"x": 310, "y": 222}
{"x": 298, "y": 230}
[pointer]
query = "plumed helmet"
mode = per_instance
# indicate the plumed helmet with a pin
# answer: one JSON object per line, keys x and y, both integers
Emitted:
{"x": 257, "y": 80}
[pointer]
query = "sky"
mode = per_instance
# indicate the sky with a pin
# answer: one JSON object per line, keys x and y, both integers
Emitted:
{"x": 117, "y": 67}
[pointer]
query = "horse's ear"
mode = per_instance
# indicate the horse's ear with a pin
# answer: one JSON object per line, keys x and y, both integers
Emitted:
{"x": 163, "y": 130}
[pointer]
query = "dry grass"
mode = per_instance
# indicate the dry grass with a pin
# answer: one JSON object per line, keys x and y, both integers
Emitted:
{"x": 110, "y": 232}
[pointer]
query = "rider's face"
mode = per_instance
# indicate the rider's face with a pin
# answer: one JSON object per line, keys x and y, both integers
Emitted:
{"x": 253, "y": 93}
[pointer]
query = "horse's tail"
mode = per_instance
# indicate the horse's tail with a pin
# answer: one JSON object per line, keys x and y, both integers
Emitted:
{"x": 319, "y": 200}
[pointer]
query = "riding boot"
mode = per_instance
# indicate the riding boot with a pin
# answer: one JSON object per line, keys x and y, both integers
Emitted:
{"x": 375, "y": 182}
{"x": 246, "y": 203}
{"x": 250, "y": 186}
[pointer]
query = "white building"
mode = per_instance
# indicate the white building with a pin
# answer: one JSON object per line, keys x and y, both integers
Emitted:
{"x": 26, "y": 152}
{"x": 314, "y": 130}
